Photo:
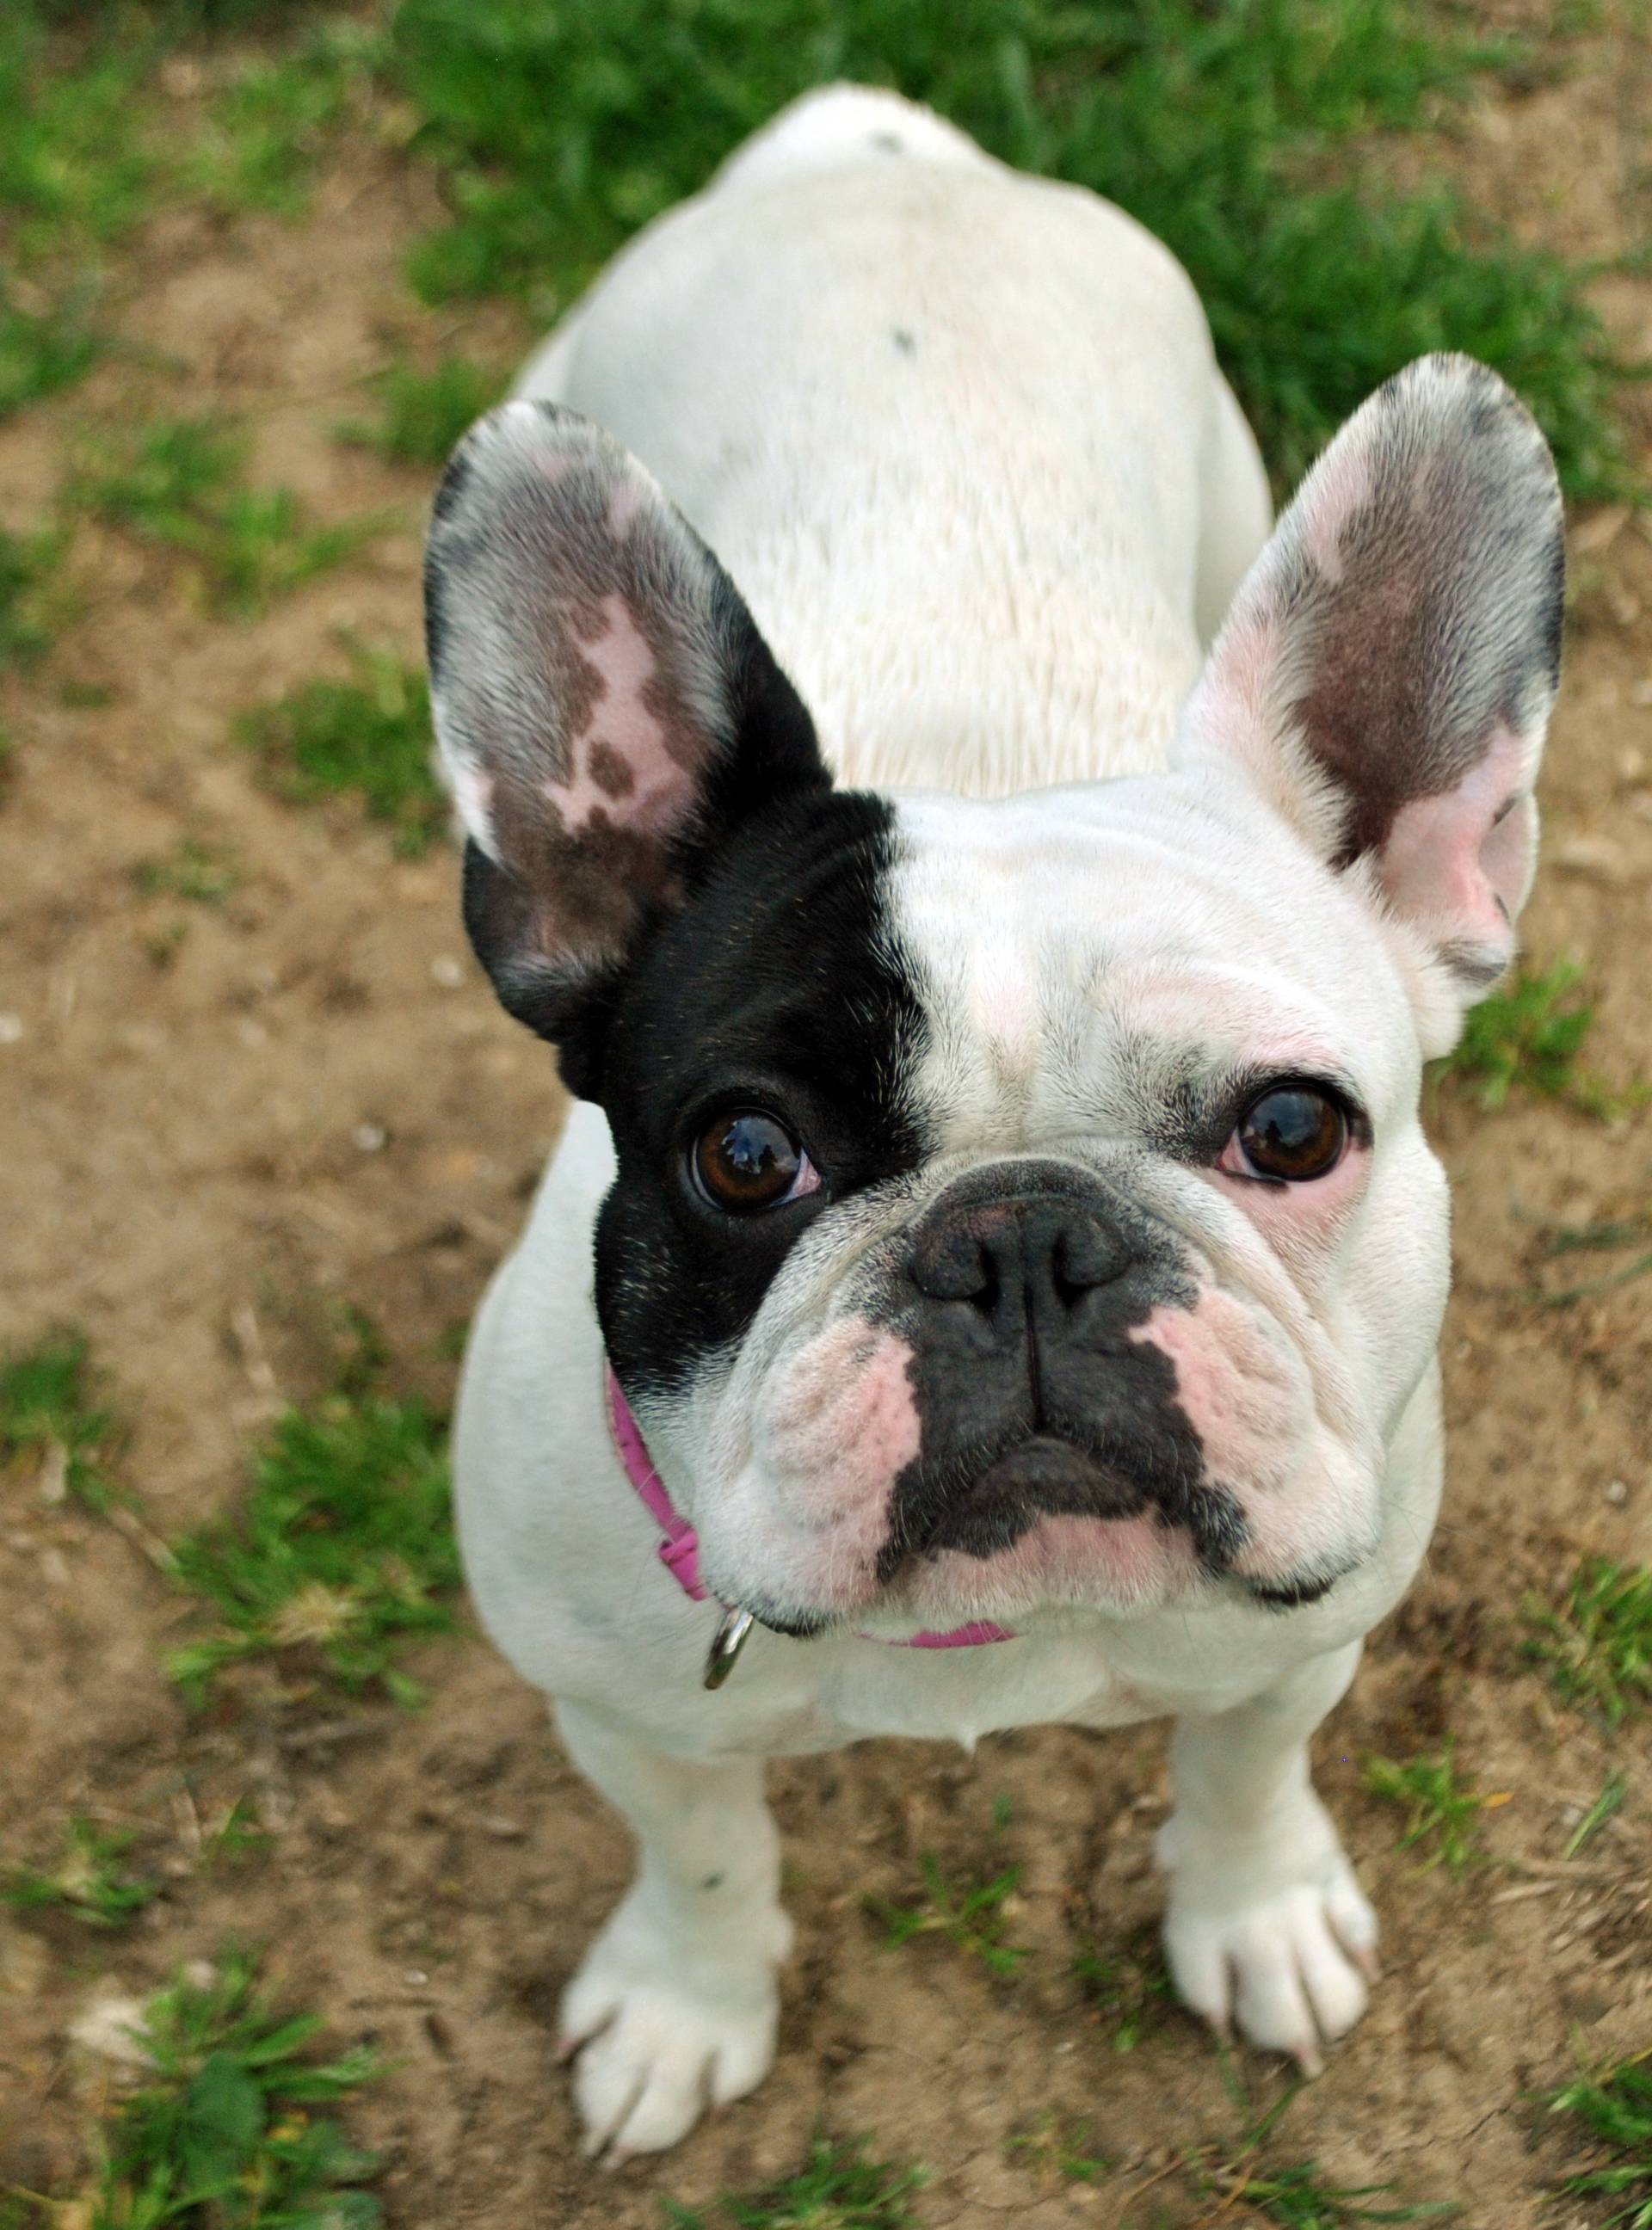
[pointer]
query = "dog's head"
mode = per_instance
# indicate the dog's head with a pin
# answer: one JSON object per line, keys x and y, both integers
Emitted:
{"x": 1019, "y": 1203}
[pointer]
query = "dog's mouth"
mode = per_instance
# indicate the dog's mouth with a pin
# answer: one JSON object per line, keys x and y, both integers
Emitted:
{"x": 982, "y": 1502}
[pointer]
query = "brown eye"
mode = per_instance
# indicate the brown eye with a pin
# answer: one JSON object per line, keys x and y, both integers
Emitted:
{"x": 1293, "y": 1133}
{"x": 748, "y": 1161}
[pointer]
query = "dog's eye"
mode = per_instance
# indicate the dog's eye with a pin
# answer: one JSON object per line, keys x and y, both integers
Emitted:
{"x": 1293, "y": 1132}
{"x": 744, "y": 1161}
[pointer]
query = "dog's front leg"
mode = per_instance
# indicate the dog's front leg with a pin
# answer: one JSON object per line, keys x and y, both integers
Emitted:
{"x": 676, "y": 2005}
{"x": 1265, "y": 1923}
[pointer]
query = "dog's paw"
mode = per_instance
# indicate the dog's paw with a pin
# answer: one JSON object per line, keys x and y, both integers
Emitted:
{"x": 663, "y": 2031}
{"x": 1284, "y": 1951}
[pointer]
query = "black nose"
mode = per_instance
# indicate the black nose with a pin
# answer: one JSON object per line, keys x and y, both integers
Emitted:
{"x": 1017, "y": 1260}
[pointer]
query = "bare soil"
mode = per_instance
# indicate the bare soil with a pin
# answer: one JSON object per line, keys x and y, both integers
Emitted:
{"x": 310, "y": 1101}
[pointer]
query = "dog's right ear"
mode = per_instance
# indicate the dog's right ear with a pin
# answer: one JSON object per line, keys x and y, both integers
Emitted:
{"x": 606, "y": 708}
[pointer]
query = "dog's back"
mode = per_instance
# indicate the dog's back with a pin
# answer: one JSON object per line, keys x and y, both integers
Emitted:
{"x": 958, "y": 433}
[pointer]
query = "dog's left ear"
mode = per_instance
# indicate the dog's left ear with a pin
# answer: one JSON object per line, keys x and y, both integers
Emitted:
{"x": 606, "y": 709}
{"x": 1388, "y": 667}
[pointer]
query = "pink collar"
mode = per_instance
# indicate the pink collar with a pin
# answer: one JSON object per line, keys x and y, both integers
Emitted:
{"x": 679, "y": 1550}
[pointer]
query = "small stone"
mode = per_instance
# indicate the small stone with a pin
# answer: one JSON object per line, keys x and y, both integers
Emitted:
{"x": 12, "y": 1029}
{"x": 1617, "y": 1492}
{"x": 369, "y": 1138}
{"x": 447, "y": 971}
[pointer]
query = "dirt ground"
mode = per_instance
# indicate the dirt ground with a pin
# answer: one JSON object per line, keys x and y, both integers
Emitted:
{"x": 312, "y": 1100}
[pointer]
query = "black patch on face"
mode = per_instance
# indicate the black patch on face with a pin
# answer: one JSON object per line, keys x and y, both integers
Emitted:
{"x": 1022, "y": 1290}
{"x": 778, "y": 985}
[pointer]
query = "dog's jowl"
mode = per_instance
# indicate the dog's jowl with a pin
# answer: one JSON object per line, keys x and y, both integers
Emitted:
{"x": 992, "y": 896}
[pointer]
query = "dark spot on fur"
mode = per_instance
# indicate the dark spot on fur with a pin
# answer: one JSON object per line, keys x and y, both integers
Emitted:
{"x": 609, "y": 772}
{"x": 887, "y": 143}
{"x": 904, "y": 341}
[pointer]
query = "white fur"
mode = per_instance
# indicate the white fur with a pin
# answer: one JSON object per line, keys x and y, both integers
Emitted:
{"x": 973, "y": 601}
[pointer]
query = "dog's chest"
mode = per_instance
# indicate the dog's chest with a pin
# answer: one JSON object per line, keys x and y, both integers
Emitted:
{"x": 857, "y": 1691}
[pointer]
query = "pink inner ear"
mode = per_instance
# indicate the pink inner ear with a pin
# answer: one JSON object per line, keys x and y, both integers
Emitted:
{"x": 621, "y": 763}
{"x": 1462, "y": 860}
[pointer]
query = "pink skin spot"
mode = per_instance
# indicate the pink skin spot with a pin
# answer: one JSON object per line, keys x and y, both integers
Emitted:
{"x": 840, "y": 1428}
{"x": 628, "y": 499}
{"x": 1451, "y": 860}
{"x": 633, "y": 735}
{"x": 1248, "y": 1395}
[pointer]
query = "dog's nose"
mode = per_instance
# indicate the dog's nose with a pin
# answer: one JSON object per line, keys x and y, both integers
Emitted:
{"x": 1017, "y": 1260}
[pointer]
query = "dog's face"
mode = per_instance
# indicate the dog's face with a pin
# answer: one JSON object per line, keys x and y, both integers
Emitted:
{"x": 1019, "y": 1204}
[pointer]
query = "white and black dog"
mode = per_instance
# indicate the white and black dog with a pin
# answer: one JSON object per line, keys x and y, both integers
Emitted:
{"x": 995, "y": 1249}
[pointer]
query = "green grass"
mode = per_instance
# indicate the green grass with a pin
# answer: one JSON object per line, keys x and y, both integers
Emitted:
{"x": 91, "y": 1881}
{"x": 1605, "y": 1806}
{"x": 1130, "y": 1989}
{"x": 268, "y": 132}
{"x": 235, "y": 2127}
{"x": 1300, "y": 2199}
{"x": 367, "y": 737}
{"x": 180, "y": 484}
{"x": 30, "y": 603}
{"x": 422, "y": 414}
{"x": 839, "y": 2189}
{"x": 1297, "y": 2195}
{"x": 1529, "y": 1036}
{"x": 969, "y": 1915}
{"x": 1442, "y": 1816}
{"x": 1616, "y": 2108}
{"x": 51, "y": 1422}
{"x": 40, "y": 351}
{"x": 74, "y": 169}
{"x": 342, "y": 1551}
{"x": 1597, "y": 1642}
{"x": 1226, "y": 125}
{"x": 196, "y": 871}
{"x": 1053, "y": 2149}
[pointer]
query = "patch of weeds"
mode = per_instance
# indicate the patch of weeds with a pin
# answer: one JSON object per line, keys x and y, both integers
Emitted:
{"x": 1597, "y": 1642}
{"x": 1442, "y": 1814}
{"x": 179, "y": 484}
{"x": 236, "y": 2127}
{"x": 368, "y": 737}
{"x": 1530, "y": 1037}
{"x": 269, "y": 131}
{"x": 839, "y": 2189}
{"x": 73, "y": 171}
{"x": 52, "y": 1427}
{"x": 1300, "y": 2198}
{"x": 342, "y": 1549}
{"x": 1229, "y": 130}
{"x": 29, "y": 567}
{"x": 1130, "y": 1990}
{"x": 195, "y": 870}
{"x": 236, "y": 1836}
{"x": 1605, "y": 1806}
{"x": 422, "y": 414}
{"x": 970, "y": 1915}
{"x": 1616, "y": 2108}
{"x": 1052, "y": 2148}
{"x": 91, "y": 1881}
{"x": 1296, "y": 2196}
{"x": 40, "y": 351}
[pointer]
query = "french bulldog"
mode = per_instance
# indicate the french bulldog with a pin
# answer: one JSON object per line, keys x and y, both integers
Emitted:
{"x": 992, "y": 899}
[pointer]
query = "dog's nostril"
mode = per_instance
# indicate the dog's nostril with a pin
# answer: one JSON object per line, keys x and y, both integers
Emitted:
{"x": 952, "y": 1265}
{"x": 1085, "y": 1254}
